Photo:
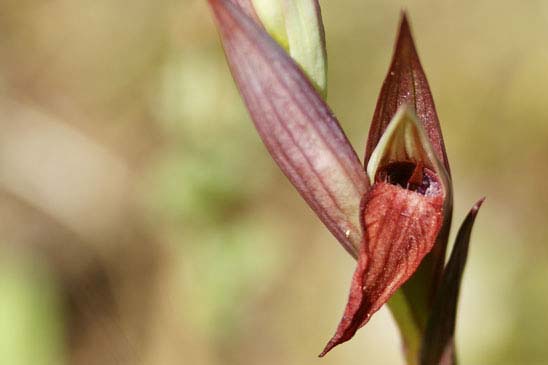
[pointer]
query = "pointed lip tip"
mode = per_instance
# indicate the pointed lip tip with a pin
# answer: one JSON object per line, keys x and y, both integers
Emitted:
{"x": 325, "y": 351}
{"x": 478, "y": 204}
{"x": 330, "y": 345}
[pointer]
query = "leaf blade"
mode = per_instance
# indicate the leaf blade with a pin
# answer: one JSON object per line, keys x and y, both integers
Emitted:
{"x": 438, "y": 340}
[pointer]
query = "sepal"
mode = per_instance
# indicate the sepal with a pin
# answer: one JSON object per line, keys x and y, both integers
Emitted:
{"x": 296, "y": 125}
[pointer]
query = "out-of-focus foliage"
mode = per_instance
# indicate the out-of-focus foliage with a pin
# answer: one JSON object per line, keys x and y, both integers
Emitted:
{"x": 143, "y": 222}
{"x": 31, "y": 333}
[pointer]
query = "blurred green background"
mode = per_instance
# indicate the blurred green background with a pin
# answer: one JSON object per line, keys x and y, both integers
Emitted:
{"x": 143, "y": 222}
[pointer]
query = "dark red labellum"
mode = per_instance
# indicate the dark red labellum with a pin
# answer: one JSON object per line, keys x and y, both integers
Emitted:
{"x": 400, "y": 224}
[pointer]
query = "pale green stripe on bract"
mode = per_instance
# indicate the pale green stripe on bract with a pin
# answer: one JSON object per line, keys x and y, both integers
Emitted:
{"x": 271, "y": 14}
{"x": 296, "y": 26}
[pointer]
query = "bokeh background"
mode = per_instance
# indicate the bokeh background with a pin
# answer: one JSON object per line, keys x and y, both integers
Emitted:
{"x": 143, "y": 222}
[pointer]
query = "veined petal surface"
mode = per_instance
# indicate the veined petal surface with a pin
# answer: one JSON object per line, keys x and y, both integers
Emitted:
{"x": 401, "y": 216}
{"x": 297, "y": 127}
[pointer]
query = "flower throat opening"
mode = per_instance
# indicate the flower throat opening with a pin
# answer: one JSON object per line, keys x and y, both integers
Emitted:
{"x": 411, "y": 176}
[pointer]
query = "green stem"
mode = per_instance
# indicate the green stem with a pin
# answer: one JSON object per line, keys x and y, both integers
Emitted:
{"x": 410, "y": 331}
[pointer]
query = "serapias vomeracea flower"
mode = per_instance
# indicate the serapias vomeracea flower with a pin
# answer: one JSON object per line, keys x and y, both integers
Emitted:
{"x": 394, "y": 214}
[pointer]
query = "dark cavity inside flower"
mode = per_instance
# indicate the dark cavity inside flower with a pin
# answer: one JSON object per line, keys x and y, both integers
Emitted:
{"x": 411, "y": 176}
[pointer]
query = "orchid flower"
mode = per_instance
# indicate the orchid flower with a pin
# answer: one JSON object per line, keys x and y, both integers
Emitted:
{"x": 394, "y": 215}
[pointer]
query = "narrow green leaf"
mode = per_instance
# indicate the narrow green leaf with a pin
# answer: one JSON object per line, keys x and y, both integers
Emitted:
{"x": 438, "y": 347}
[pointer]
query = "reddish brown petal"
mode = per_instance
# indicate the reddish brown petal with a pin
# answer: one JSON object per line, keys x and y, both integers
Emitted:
{"x": 400, "y": 228}
{"x": 297, "y": 127}
{"x": 405, "y": 143}
{"x": 438, "y": 340}
{"x": 406, "y": 83}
